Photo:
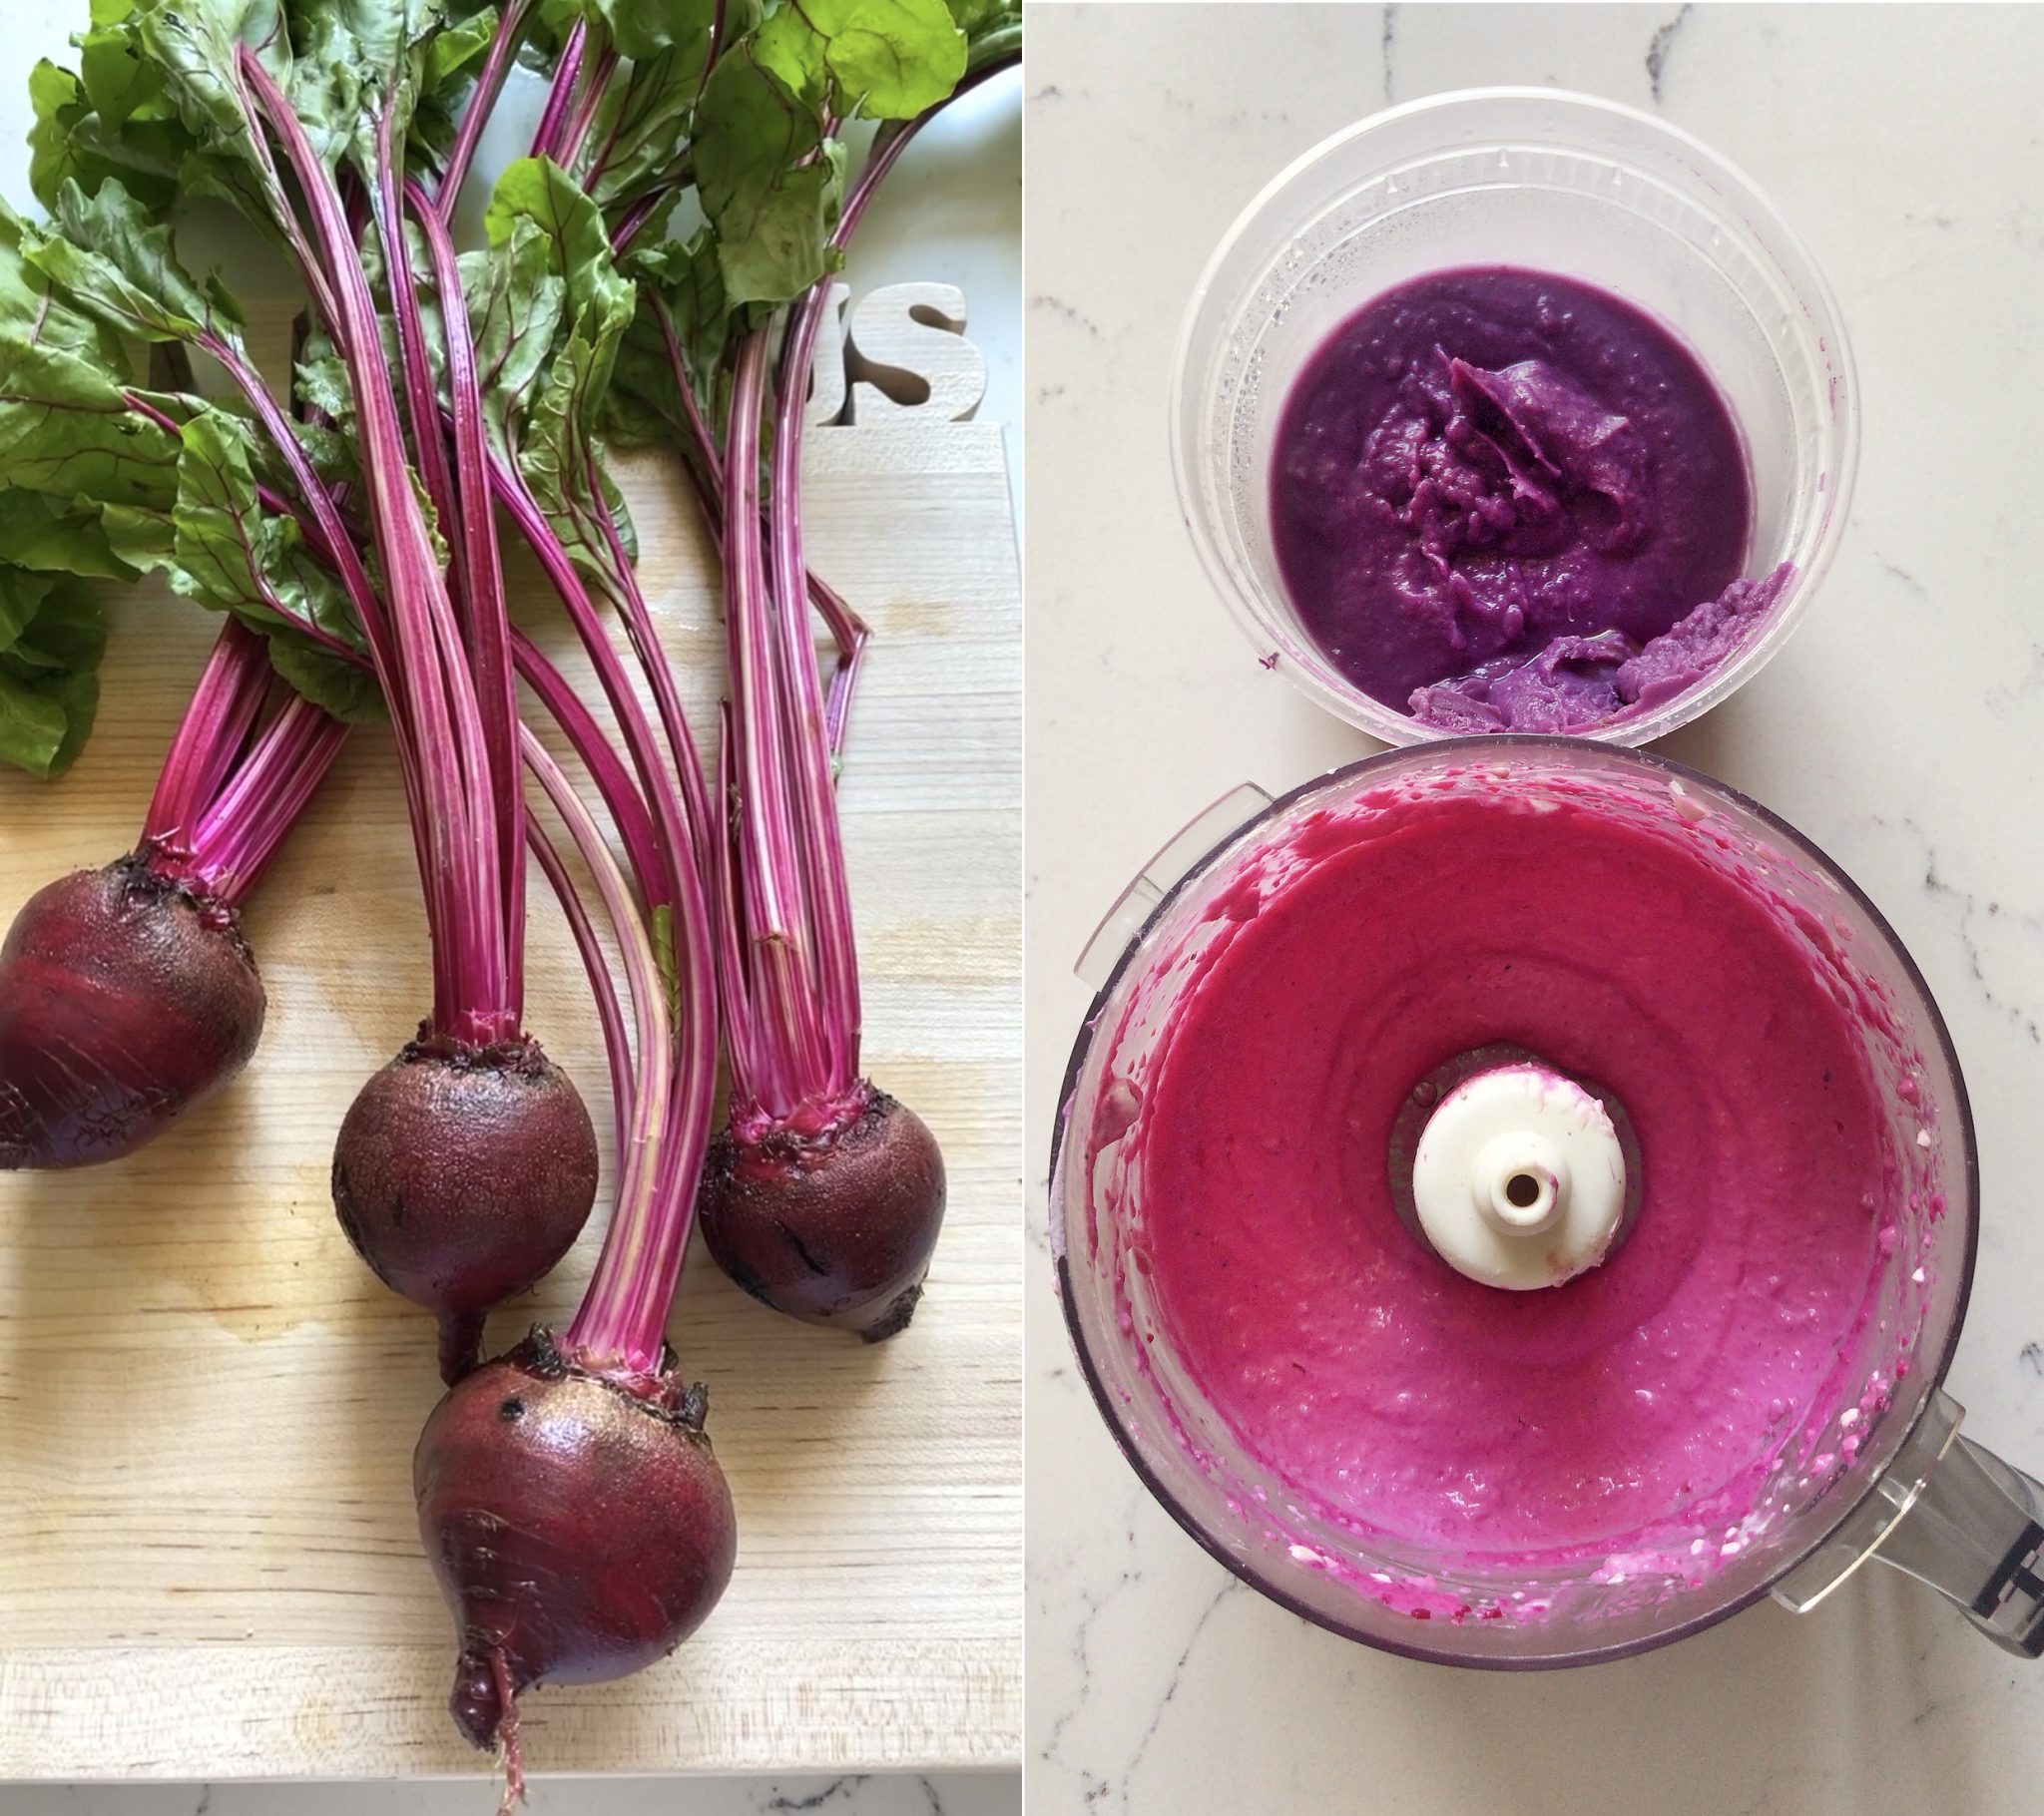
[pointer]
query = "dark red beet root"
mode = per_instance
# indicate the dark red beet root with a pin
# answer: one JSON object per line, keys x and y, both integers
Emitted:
{"x": 125, "y": 1000}
{"x": 836, "y": 1231}
{"x": 579, "y": 1526}
{"x": 461, "y": 1177}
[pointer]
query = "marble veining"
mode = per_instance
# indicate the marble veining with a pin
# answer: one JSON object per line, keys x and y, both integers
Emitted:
{"x": 1902, "y": 728}
{"x": 1970, "y": 911}
{"x": 1657, "y": 47}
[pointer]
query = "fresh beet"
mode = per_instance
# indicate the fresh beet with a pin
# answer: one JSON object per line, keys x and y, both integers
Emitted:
{"x": 125, "y": 1000}
{"x": 578, "y": 1523}
{"x": 468, "y": 1167}
{"x": 128, "y": 995}
{"x": 461, "y": 1175}
{"x": 569, "y": 1500}
{"x": 823, "y": 1198}
{"x": 835, "y": 1228}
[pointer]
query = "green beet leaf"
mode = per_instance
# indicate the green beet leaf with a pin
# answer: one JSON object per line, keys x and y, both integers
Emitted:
{"x": 51, "y": 638}
{"x": 557, "y": 450}
{"x": 767, "y": 194}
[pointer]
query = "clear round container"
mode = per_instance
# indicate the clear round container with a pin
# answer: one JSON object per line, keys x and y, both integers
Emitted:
{"x": 1547, "y": 180}
{"x": 1880, "y": 1471}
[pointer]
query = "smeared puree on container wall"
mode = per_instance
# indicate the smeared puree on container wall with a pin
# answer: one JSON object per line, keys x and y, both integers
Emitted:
{"x": 1507, "y": 500}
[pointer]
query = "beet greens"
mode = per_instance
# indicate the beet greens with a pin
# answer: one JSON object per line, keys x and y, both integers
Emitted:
{"x": 824, "y": 1197}
{"x": 444, "y": 399}
{"x": 335, "y": 532}
{"x": 466, "y": 1167}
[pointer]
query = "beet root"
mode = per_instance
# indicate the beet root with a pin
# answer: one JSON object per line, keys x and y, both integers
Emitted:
{"x": 834, "y": 1229}
{"x": 461, "y": 1175}
{"x": 125, "y": 1000}
{"x": 578, "y": 1524}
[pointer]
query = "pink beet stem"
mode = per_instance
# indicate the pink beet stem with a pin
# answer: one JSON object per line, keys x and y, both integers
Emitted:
{"x": 560, "y": 96}
{"x": 225, "y": 706}
{"x": 645, "y": 644}
{"x": 623, "y": 1315}
{"x": 614, "y": 783}
{"x": 795, "y": 993}
{"x": 779, "y": 991}
{"x": 512, "y": 494}
{"x": 706, "y": 480}
{"x": 568, "y": 145}
{"x": 429, "y": 686}
{"x": 488, "y": 622}
{"x": 241, "y": 832}
{"x": 632, "y": 222}
{"x": 482, "y": 102}
{"x": 616, "y": 1046}
{"x": 224, "y": 803}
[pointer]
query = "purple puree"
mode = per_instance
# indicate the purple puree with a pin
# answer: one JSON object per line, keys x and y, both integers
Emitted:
{"x": 1506, "y": 500}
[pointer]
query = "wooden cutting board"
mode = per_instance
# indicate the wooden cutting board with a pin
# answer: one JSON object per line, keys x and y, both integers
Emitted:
{"x": 209, "y": 1565}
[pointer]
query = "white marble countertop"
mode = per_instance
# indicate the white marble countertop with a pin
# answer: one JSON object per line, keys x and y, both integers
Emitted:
{"x": 950, "y": 213}
{"x": 1902, "y": 728}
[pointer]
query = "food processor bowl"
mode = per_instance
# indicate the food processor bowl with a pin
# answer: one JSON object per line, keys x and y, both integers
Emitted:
{"x": 1876, "y": 1470}
{"x": 1548, "y": 181}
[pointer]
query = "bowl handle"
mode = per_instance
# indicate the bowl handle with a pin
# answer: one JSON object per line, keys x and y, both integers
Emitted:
{"x": 1954, "y": 1515}
{"x": 1162, "y": 874}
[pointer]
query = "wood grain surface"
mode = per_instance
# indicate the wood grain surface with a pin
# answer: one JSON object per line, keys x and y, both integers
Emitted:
{"x": 208, "y": 1565}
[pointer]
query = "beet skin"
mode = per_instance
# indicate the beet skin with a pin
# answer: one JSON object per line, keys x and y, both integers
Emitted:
{"x": 461, "y": 1175}
{"x": 579, "y": 1526}
{"x": 837, "y": 1230}
{"x": 125, "y": 1000}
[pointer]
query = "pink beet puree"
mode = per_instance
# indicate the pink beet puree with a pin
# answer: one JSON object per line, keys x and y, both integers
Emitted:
{"x": 1353, "y": 1362}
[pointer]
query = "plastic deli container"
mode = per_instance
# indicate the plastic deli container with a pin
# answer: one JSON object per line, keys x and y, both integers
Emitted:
{"x": 1547, "y": 180}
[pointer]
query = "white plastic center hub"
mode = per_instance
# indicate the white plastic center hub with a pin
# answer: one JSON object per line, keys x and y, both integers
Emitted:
{"x": 1519, "y": 1178}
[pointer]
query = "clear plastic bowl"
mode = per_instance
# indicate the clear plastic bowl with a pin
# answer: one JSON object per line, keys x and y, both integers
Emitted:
{"x": 1828, "y": 1517}
{"x": 1549, "y": 180}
